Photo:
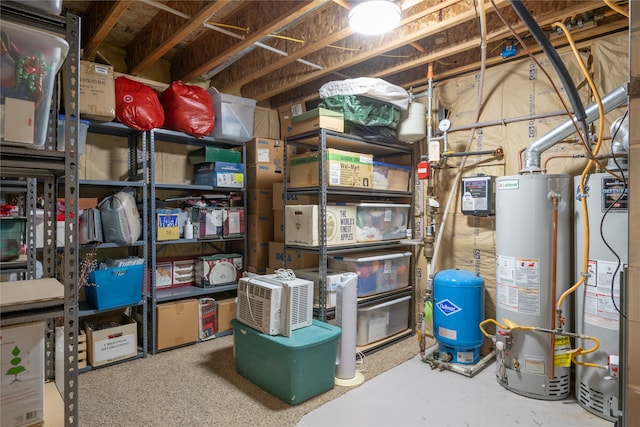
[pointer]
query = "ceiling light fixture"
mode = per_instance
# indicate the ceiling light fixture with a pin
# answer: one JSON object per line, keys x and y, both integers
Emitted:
{"x": 374, "y": 17}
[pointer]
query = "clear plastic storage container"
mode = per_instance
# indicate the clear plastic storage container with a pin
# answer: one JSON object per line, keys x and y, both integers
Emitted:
{"x": 377, "y": 271}
{"x": 82, "y": 134}
{"x": 382, "y": 320}
{"x": 27, "y": 73}
{"x": 233, "y": 116}
{"x": 381, "y": 221}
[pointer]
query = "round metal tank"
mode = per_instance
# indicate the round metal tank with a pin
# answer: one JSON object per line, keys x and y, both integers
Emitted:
{"x": 596, "y": 313}
{"x": 526, "y": 208}
{"x": 458, "y": 297}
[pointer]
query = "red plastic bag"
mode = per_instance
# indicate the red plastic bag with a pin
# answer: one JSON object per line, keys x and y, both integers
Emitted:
{"x": 188, "y": 109}
{"x": 137, "y": 105}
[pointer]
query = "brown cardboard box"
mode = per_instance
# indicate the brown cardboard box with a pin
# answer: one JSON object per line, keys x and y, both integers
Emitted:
{"x": 259, "y": 200}
{"x": 265, "y": 150}
{"x": 278, "y": 226}
{"x": 266, "y": 123}
{"x": 302, "y": 225}
{"x": 97, "y": 91}
{"x": 107, "y": 345}
{"x": 226, "y": 313}
{"x": 260, "y": 227}
{"x": 292, "y": 199}
{"x": 286, "y": 112}
{"x": 177, "y": 323}
{"x": 295, "y": 258}
{"x": 262, "y": 175}
{"x": 344, "y": 169}
{"x": 258, "y": 254}
{"x": 316, "y": 119}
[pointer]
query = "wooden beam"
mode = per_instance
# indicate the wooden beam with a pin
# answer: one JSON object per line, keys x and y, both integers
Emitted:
{"x": 101, "y": 17}
{"x": 237, "y": 77}
{"x": 162, "y": 34}
{"x": 212, "y": 50}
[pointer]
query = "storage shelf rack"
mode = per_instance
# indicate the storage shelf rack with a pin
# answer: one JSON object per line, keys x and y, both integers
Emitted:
{"x": 172, "y": 294}
{"x": 46, "y": 166}
{"x": 320, "y": 140}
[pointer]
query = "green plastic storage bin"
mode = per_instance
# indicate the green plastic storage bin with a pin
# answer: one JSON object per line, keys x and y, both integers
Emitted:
{"x": 293, "y": 369}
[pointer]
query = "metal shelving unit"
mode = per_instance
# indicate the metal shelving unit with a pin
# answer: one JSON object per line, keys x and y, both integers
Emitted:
{"x": 220, "y": 244}
{"x": 45, "y": 167}
{"x": 138, "y": 182}
{"x": 320, "y": 140}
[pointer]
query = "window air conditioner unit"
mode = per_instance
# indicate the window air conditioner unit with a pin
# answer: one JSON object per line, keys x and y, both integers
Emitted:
{"x": 275, "y": 304}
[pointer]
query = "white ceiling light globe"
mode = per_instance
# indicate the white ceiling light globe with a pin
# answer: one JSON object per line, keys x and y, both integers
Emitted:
{"x": 374, "y": 17}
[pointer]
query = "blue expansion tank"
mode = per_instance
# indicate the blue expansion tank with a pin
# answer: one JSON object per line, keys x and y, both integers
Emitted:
{"x": 458, "y": 309}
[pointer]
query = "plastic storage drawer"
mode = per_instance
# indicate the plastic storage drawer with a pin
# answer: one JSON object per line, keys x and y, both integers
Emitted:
{"x": 382, "y": 320}
{"x": 377, "y": 271}
{"x": 293, "y": 369}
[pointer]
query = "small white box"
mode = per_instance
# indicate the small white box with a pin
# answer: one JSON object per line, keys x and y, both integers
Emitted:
{"x": 302, "y": 225}
{"x": 22, "y": 375}
{"x": 331, "y": 283}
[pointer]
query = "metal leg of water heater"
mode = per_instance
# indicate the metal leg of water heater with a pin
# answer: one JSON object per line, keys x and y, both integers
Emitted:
{"x": 346, "y": 319}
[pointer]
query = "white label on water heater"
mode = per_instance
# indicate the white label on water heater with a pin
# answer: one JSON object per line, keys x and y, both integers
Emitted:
{"x": 518, "y": 284}
{"x": 599, "y": 309}
{"x": 509, "y": 184}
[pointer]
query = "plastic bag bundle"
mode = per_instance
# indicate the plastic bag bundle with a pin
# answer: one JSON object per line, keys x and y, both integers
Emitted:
{"x": 137, "y": 105}
{"x": 188, "y": 109}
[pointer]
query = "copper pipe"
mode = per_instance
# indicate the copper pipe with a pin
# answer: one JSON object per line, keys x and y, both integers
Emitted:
{"x": 554, "y": 269}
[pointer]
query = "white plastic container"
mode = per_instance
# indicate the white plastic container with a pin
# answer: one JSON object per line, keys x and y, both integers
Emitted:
{"x": 378, "y": 271}
{"x": 233, "y": 116}
{"x": 82, "y": 134}
{"x": 382, "y": 320}
{"x": 45, "y": 52}
{"x": 381, "y": 221}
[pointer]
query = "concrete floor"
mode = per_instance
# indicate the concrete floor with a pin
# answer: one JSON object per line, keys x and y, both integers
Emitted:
{"x": 414, "y": 395}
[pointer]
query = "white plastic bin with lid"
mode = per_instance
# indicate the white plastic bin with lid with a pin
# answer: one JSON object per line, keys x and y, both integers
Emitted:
{"x": 233, "y": 116}
{"x": 382, "y": 320}
{"x": 82, "y": 134}
{"x": 378, "y": 271}
{"x": 37, "y": 57}
{"x": 381, "y": 221}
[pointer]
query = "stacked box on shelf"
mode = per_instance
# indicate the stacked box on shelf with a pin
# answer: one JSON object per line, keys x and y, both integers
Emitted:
{"x": 111, "y": 337}
{"x": 303, "y": 224}
{"x": 177, "y": 323}
{"x": 219, "y": 269}
{"x": 82, "y": 349}
{"x": 343, "y": 169}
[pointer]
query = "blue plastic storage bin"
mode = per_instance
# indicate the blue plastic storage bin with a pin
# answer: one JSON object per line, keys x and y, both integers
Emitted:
{"x": 115, "y": 287}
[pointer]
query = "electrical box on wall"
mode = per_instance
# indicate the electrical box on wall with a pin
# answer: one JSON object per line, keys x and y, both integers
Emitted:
{"x": 478, "y": 195}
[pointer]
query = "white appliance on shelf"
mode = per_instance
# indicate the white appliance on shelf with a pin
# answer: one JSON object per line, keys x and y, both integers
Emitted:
{"x": 275, "y": 304}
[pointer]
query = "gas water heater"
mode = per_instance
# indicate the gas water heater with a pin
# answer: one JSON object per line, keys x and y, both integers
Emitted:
{"x": 598, "y": 300}
{"x": 533, "y": 217}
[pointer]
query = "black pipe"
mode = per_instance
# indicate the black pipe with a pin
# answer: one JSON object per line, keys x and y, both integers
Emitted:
{"x": 557, "y": 63}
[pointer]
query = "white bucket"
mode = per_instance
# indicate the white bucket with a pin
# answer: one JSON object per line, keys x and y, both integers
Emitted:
{"x": 413, "y": 126}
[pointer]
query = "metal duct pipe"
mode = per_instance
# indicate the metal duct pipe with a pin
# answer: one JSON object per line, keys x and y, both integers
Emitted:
{"x": 533, "y": 152}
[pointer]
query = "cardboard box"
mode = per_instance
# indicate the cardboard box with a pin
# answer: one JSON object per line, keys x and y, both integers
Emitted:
{"x": 22, "y": 377}
{"x": 316, "y": 119}
{"x": 258, "y": 254}
{"x": 292, "y": 199}
{"x": 111, "y": 343}
{"x": 164, "y": 275}
{"x": 266, "y": 123}
{"x": 220, "y": 174}
{"x": 233, "y": 222}
{"x": 391, "y": 177}
{"x": 177, "y": 323}
{"x": 260, "y": 227}
{"x": 265, "y": 150}
{"x": 294, "y": 258}
{"x": 344, "y": 169}
{"x": 226, "y": 313}
{"x": 167, "y": 222}
{"x": 258, "y": 270}
{"x": 219, "y": 269}
{"x": 278, "y": 226}
{"x": 214, "y": 154}
{"x": 18, "y": 121}
{"x": 207, "y": 222}
{"x": 259, "y": 201}
{"x": 97, "y": 91}
{"x": 286, "y": 112}
{"x": 263, "y": 176}
{"x": 302, "y": 225}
